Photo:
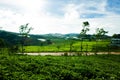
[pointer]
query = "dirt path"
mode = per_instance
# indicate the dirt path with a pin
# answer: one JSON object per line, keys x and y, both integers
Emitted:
{"x": 44, "y": 54}
{"x": 63, "y": 53}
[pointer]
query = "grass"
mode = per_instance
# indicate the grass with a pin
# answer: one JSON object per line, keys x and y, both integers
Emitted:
{"x": 94, "y": 67}
{"x": 64, "y": 46}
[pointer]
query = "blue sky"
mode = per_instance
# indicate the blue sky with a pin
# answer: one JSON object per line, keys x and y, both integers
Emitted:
{"x": 60, "y": 16}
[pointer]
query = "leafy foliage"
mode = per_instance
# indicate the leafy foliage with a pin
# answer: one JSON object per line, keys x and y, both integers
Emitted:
{"x": 85, "y": 28}
{"x": 116, "y": 36}
{"x": 99, "y": 67}
{"x": 100, "y": 32}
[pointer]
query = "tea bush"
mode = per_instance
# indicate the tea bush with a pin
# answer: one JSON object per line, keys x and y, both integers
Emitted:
{"x": 94, "y": 67}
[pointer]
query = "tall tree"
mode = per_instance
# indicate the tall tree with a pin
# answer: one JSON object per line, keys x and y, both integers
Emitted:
{"x": 84, "y": 31}
{"x": 24, "y": 31}
{"x": 100, "y": 32}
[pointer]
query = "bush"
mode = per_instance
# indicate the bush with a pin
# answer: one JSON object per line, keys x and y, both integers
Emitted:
{"x": 65, "y": 54}
{"x": 93, "y": 67}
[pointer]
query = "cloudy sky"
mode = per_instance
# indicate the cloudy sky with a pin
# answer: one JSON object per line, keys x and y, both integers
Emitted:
{"x": 60, "y": 16}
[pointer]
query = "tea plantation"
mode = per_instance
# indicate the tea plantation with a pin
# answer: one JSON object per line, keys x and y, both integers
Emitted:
{"x": 93, "y": 67}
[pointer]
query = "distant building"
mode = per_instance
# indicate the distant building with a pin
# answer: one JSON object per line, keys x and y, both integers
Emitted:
{"x": 43, "y": 40}
{"x": 115, "y": 42}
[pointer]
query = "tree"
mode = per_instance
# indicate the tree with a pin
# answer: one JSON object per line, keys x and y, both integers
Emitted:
{"x": 100, "y": 32}
{"x": 116, "y": 36}
{"x": 85, "y": 28}
{"x": 84, "y": 31}
{"x": 24, "y": 31}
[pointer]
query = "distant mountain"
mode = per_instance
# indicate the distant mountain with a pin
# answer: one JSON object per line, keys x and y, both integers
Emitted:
{"x": 72, "y": 35}
{"x": 12, "y": 38}
{"x": 58, "y": 35}
{"x": 53, "y": 35}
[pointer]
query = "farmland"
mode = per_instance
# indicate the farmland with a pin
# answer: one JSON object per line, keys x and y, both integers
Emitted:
{"x": 69, "y": 45}
{"x": 95, "y": 67}
{"x": 14, "y": 66}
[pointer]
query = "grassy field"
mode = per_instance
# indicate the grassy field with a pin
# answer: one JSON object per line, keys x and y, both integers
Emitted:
{"x": 94, "y": 67}
{"x": 64, "y": 46}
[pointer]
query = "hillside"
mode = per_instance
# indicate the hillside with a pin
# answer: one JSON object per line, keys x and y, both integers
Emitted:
{"x": 12, "y": 38}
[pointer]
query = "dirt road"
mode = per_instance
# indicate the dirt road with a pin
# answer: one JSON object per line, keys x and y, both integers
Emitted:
{"x": 63, "y": 53}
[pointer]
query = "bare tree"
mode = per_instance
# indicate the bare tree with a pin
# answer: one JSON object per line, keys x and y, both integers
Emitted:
{"x": 24, "y": 31}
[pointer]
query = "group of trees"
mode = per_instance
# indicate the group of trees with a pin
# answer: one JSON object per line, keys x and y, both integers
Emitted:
{"x": 100, "y": 32}
{"x": 116, "y": 36}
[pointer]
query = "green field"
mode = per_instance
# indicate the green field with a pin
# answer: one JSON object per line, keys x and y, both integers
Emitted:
{"x": 94, "y": 67}
{"x": 64, "y": 46}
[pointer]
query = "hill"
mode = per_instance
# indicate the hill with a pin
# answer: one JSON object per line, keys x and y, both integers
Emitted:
{"x": 12, "y": 38}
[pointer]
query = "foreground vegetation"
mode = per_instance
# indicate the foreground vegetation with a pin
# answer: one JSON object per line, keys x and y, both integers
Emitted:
{"x": 94, "y": 67}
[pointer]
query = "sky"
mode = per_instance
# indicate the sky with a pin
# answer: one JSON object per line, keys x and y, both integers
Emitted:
{"x": 60, "y": 16}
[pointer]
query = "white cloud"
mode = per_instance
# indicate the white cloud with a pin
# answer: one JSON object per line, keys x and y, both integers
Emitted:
{"x": 33, "y": 12}
{"x": 109, "y": 22}
{"x": 71, "y": 12}
{"x": 25, "y": 4}
{"x": 28, "y": 13}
